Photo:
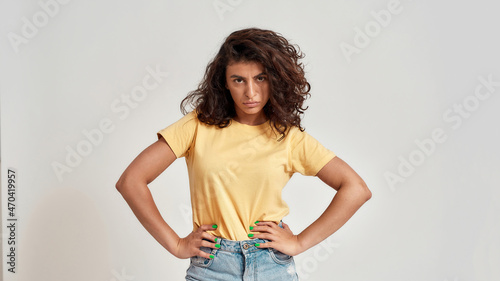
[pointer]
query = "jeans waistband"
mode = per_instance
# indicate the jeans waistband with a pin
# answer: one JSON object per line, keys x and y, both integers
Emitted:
{"x": 242, "y": 246}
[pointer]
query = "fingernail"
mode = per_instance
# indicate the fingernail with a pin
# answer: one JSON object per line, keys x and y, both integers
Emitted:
{"x": 250, "y": 235}
{"x": 257, "y": 244}
{"x": 251, "y": 227}
{"x": 212, "y": 256}
{"x": 215, "y": 240}
{"x": 214, "y": 226}
{"x": 256, "y": 222}
{"x": 217, "y": 246}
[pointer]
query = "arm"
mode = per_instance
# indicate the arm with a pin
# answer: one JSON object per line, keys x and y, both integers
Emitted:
{"x": 133, "y": 186}
{"x": 352, "y": 193}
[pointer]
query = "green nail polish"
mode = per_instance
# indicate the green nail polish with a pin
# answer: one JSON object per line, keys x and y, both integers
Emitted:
{"x": 217, "y": 246}
{"x": 214, "y": 226}
{"x": 257, "y": 244}
{"x": 256, "y": 222}
{"x": 215, "y": 240}
{"x": 251, "y": 227}
{"x": 250, "y": 235}
{"x": 212, "y": 256}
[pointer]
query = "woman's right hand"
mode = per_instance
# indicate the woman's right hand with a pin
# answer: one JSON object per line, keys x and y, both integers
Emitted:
{"x": 190, "y": 245}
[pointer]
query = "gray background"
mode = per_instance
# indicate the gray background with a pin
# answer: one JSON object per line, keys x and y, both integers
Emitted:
{"x": 435, "y": 218}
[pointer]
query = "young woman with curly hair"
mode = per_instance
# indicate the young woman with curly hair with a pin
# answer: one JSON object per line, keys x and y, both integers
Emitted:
{"x": 242, "y": 142}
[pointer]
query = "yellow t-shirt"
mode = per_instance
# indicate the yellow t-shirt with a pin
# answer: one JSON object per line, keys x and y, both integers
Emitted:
{"x": 237, "y": 173}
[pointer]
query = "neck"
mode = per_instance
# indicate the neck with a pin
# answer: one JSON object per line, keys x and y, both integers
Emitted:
{"x": 251, "y": 120}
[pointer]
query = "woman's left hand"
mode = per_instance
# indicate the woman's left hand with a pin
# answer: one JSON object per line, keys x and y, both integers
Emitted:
{"x": 281, "y": 239}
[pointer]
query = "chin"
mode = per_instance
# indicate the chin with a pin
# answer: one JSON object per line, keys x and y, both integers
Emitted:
{"x": 254, "y": 111}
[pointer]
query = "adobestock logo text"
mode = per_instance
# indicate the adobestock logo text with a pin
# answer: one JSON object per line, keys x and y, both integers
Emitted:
{"x": 30, "y": 27}
{"x": 455, "y": 116}
{"x": 121, "y": 107}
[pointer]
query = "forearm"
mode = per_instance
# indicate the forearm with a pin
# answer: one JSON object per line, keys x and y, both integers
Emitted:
{"x": 141, "y": 202}
{"x": 345, "y": 203}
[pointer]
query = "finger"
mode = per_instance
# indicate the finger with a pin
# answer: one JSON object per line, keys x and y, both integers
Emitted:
{"x": 208, "y": 236}
{"x": 268, "y": 223}
{"x": 285, "y": 226}
{"x": 205, "y": 255}
{"x": 263, "y": 235}
{"x": 263, "y": 245}
{"x": 262, "y": 229}
{"x": 207, "y": 244}
{"x": 205, "y": 227}
{"x": 269, "y": 227}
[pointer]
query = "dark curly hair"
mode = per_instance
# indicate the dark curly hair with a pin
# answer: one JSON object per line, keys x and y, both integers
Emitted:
{"x": 288, "y": 85}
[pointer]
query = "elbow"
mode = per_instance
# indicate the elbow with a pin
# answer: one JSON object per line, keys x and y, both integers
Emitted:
{"x": 358, "y": 189}
{"x": 128, "y": 184}
{"x": 366, "y": 193}
{"x": 121, "y": 184}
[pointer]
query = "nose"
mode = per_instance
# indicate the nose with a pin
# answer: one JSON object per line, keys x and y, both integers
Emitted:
{"x": 251, "y": 90}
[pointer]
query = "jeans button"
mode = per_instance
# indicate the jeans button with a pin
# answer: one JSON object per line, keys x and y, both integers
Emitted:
{"x": 246, "y": 246}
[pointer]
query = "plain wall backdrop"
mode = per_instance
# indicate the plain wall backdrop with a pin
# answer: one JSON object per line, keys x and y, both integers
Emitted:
{"x": 406, "y": 92}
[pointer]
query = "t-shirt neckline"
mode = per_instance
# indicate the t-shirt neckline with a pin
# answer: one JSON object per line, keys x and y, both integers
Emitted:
{"x": 250, "y": 126}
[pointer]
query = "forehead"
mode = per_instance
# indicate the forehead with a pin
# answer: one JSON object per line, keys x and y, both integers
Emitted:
{"x": 244, "y": 67}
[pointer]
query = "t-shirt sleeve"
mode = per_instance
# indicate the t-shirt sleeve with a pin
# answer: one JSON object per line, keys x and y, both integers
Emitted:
{"x": 308, "y": 155}
{"x": 181, "y": 134}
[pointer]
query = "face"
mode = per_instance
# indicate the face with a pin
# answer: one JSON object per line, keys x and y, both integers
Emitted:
{"x": 249, "y": 87}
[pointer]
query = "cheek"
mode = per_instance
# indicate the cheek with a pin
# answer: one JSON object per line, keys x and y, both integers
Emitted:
{"x": 234, "y": 93}
{"x": 266, "y": 92}
{"x": 233, "y": 96}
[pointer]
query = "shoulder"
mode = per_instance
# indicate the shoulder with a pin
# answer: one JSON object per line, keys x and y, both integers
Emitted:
{"x": 294, "y": 133}
{"x": 192, "y": 115}
{"x": 189, "y": 119}
{"x": 187, "y": 122}
{"x": 300, "y": 138}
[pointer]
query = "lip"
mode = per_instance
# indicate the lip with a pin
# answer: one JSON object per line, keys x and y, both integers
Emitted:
{"x": 251, "y": 104}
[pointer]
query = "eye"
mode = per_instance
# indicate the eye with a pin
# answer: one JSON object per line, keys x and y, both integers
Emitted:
{"x": 261, "y": 78}
{"x": 238, "y": 80}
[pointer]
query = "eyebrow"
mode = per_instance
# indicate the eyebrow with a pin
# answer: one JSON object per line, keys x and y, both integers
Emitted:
{"x": 241, "y": 77}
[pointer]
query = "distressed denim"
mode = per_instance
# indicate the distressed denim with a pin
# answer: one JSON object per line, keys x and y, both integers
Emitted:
{"x": 241, "y": 260}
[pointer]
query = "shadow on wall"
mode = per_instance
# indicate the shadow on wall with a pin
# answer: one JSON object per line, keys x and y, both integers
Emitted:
{"x": 63, "y": 239}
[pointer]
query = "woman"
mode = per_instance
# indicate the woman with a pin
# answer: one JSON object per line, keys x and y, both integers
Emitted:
{"x": 242, "y": 143}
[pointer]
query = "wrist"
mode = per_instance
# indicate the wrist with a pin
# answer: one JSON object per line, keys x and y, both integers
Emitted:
{"x": 172, "y": 245}
{"x": 301, "y": 247}
{"x": 176, "y": 248}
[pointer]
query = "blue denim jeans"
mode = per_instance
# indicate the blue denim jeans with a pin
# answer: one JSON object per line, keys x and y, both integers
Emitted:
{"x": 241, "y": 260}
